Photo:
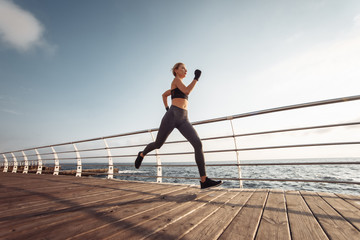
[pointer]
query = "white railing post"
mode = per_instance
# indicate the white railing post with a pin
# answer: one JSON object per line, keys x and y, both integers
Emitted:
{"x": 14, "y": 170}
{"x": 111, "y": 164}
{"x": 78, "y": 162}
{"x": 158, "y": 162}
{"x": 39, "y": 169}
{"x": 26, "y": 166}
{"x": 56, "y": 167}
{"x": 6, "y": 164}
{"x": 237, "y": 153}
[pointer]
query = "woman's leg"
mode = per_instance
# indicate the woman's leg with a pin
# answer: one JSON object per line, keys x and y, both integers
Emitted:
{"x": 166, "y": 127}
{"x": 188, "y": 131}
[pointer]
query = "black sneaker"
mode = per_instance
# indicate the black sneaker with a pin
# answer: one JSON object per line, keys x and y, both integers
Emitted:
{"x": 138, "y": 160}
{"x": 209, "y": 183}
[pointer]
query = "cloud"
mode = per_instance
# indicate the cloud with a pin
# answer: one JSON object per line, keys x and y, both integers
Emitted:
{"x": 294, "y": 37}
{"x": 7, "y": 105}
{"x": 357, "y": 20}
{"x": 19, "y": 29}
{"x": 10, "y": 111}
{"x": 327, "y": 69}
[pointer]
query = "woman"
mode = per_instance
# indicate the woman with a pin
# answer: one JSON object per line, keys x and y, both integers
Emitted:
{"x": 177, "y": 117}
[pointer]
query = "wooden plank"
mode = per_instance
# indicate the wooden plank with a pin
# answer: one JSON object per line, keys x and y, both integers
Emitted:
{"x": 53, "y": 227}
{"x": 55, "y": 182}
{"x": 188, "y": 223}
{"x": 38, "y": 198}
{"x": 56, "y": 203}
{"x": 245, "y": 223}
{"x": 74, "y": 186}
{"x": 274, "y": 222}
{"x": 141, "y": 210}
{"x": 352, "y": 199}
{"x": 19, "y": 178}
{"x": 32, "y": 179}
{"x": 347, "y": 211}
{"x": 29, "y": 197}
{"x": 29, "y": 185}
{"x": 207, "y": 223}
{"x": 335, "y": 226}
{"x": 62, "y": 198}
{"x": 167, "y": 216}
{"x": 53, "y": 187}
{"x": 70, "y": 210}
{"x": 303, "y": 225}
{"x": 202, "y": 212}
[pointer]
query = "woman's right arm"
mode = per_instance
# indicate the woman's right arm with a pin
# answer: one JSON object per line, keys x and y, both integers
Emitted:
{"x": 187, "y": 89}
{"x": 165, "y": 96}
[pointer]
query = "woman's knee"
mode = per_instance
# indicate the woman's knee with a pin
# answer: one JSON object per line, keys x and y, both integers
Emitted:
{"x": 197, "y": 145}
{"x": 158, "y": 145}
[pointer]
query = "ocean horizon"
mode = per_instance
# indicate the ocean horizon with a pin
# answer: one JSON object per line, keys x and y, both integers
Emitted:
{"x": 341, "y": 172}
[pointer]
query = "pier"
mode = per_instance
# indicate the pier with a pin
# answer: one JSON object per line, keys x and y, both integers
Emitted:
{"x": 40, "y": 200}
{"x": 45, "y": 206}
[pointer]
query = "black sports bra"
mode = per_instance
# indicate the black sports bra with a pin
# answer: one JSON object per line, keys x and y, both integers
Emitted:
{"x": 177, "y": 93}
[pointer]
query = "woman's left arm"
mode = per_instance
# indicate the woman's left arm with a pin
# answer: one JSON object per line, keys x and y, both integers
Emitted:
{"x": 165, "y": 96}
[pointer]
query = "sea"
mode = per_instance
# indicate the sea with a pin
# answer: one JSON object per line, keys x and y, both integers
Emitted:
{"x": 342, "y": 172}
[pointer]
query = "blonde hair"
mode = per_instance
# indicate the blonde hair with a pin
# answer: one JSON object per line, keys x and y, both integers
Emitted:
{"x": 176, "y": 66}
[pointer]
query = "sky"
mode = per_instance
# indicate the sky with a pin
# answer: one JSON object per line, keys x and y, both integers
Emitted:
{"x": 73, "y": 70}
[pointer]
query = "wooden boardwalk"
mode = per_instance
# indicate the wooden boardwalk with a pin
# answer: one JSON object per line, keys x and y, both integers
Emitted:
{"x": 66, "y": 207}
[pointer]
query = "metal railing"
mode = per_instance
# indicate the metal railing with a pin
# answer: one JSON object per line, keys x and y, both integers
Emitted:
{"x": 33, "y": 159}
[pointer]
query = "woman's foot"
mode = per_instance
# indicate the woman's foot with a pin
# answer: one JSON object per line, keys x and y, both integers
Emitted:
{"x": 209, "y": 183}
{"x": 139, "y": 160}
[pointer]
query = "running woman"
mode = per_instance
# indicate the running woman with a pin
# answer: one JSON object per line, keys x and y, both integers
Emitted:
{"x": 177, "y": 117}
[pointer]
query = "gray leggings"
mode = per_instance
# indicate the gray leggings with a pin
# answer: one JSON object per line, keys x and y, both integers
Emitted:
{"x": 178, "y": 118}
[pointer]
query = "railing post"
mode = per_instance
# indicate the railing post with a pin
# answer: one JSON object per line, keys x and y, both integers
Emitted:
{"x": 26, "y": 167}
{"x": 56, "y": 167}
{"x": 6, "y": 164}
{"x": 14, "y": 170}
{"x": 158, "y": 162}
{"x": 39, "y": 169}
{"x": 111, "y": 164}
{"x": 78, "y": 162}
{"x": 237, "y": 153}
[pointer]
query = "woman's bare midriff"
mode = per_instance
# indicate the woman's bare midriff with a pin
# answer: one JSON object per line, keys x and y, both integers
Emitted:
{"x": 180, "y": 103}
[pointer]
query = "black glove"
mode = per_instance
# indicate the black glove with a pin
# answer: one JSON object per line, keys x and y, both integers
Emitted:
{"x": 167, "y": 108}
{"x": 197, "y": 74}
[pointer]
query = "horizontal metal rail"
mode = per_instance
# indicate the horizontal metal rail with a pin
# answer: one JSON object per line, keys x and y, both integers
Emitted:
{"x": 249, "y": 114}
{"x": 264, "y": 148}
{"x": 72, "y": 151}
{"x": 247, "y": 149}
{"x": 220, "y": 137}
{"x": 224, "y": 165}
{"x": 250, "y": 134}
{"x": 241, "y": 164}
{"x": 220, "y": 151}
{"x": 280, "y": 109}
